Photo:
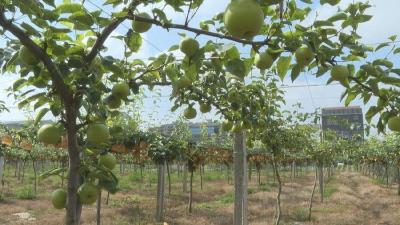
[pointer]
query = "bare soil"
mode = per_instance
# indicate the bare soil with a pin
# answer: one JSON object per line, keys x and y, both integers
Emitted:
{"x": 353, "y": 200}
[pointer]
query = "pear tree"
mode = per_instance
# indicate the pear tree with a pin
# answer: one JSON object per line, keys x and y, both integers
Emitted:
{"x": 57, "y": 48}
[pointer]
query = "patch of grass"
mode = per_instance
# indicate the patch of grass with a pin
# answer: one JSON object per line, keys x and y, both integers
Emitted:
{"x": 378, "y": 181}
{"x": 212, "y": 176}
{"x": 227, "y": 198}
{"x": 131, "y": 200}
{"x": 265, "y": 187}
{"x": 25, "y": 193}
{"x": 300, "y": 214}
{"x": 1, "y": 197}
{"x": 135, "y": 177}
{"x": 329, "y": 190}
{"x": 332, "y": 209}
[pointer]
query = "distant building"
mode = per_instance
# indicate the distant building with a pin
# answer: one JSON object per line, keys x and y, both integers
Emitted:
{"x": 347, "y": 122}
{"x": 21, "y": 124}
{"x": 195, "y": 128}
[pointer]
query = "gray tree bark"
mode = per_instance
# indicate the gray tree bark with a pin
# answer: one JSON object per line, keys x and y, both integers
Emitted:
{"x": 160, "y": 193}
{"x": 240, "y": 169}
{"x": 184, "y": 178}
{"x": 312, "y": 195}
{"x": 321, "y": 181}
{"x": 2, "y": 165}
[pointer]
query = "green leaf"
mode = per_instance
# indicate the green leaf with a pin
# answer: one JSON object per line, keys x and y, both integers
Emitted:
{"x": 381, "y": 46}
{"x": 295, "y": 72}
{"x": 40, "y": 115}
{"x": 396, "y": 51}
{"x": 283, "y": 65}
{"x": 322, "y": 23}
{"x": 322, "y": 70}
{"x": 372, "y": 111}
{"x": 350, "y": 97}
{"x": 133, "y": 41}
{"x": 337, "y": 17}
{"x": 364, "y": 18}
{"x": 396, "y": 71}
{"x": 30, "y": 99}
{"x": 393, "y": 38}
{"x": 383, "y": 62}
{"x": 18, "y": 84}
{"x": 173, "y": 48}
{"x": 69, "y": 8}
{"x": 50, "y": 2}
{"x": 29, "y": 29}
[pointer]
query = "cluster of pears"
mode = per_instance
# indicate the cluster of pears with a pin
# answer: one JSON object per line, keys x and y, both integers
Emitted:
{"x": 191, "y": 113}
{"x": 97, "y": 134}
{"x": 228, "y": 126}
{"x": 189, "y": 47}
{"x": 88, "y": 191}
{"x": 119, "y": 92}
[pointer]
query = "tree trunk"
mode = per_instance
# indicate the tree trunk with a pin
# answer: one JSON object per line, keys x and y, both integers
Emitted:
{"x": 98, "y": 210}
{"x": 398, "y": 180}
{"x": 278, "y": 196}
{"x": 23, "y": 171}
{"x": 160, "y": 193}
{"x": 321, "y": 181}
{"x": 169, "y": 179}
{"x": 191, "y": 192}
{"x": 34, "y": 176}
{"x": 73, "y": 205}
{"x": 2, "y": 166}
{"x": 250, "y": 171}
{"x": 228, "y": 173}
{"x": 387, "y": 175}
{"x": 240, "y": 169}
{"x": 201, "y": 177}
{"x": 184, "y": 178}
{"x": 312, "y": 195}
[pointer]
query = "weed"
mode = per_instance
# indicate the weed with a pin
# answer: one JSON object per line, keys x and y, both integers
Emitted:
{"x": 300, "y": 214}
{"x": 329, "y": 190}
{"x": 25, "y": 193}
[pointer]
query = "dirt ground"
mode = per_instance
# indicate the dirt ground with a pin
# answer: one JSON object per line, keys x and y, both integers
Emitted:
{"x": 350, "y": 199}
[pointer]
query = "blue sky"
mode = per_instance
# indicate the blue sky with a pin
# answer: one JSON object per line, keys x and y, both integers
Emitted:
{"x": 157, "y": 40}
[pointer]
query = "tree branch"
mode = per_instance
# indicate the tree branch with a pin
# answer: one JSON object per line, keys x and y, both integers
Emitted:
{"x": 106, "y": 33}
{"x": 155, "y": 84}
{"x": 149, "y": 70}
{"x": 196, "y": 30}
{"x": 188, "y": 12}
{"x": 102, "y": 38}
{"x": 55, "y": 74}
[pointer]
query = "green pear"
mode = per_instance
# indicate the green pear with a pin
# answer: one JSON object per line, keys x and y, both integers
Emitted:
{"x": 27, "y": 56}
{"x": 189, "y": 46}
{"x": 49, "y": 134}
{"x": 97, "y": 134}
{"x": 394, "y": 123}
{"x": 244, "y": 18}
{"x": 263, "y": 61}
{"x": 121, "y": 90}
{"x": 304, "y": 56}
{"x": 190, "y": 113}
{"x": 141, "y": 27}
{"x": 340, "y": 73}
